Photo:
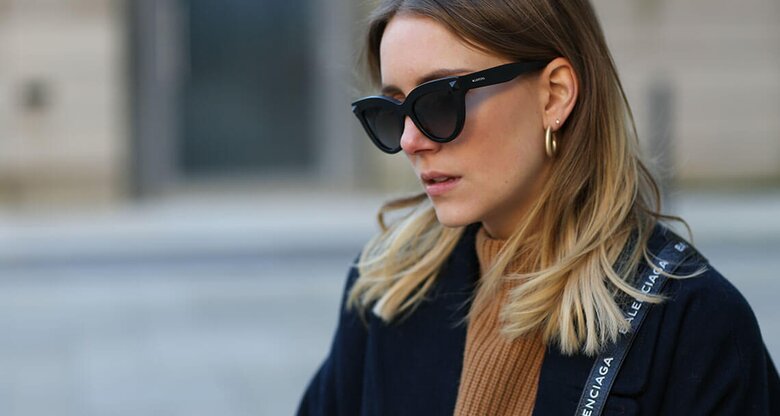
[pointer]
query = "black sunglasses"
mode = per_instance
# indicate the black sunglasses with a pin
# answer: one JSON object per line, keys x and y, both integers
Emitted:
{"x": 437, "y": 108}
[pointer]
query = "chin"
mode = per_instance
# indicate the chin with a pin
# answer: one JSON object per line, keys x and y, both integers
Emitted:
{"x": 452, "y": 217}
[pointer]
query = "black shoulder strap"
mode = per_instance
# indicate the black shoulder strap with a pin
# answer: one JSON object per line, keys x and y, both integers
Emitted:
{"x": 607, "y": 365}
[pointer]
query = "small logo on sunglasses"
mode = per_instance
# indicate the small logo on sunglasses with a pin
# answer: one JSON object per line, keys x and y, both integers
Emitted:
{"x": 478, "y": 79}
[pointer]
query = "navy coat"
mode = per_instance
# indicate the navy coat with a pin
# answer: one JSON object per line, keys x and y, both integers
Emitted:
{"x": 698, "y": 353}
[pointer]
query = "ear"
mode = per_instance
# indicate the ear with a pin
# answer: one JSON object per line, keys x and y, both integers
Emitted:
{"x": 559, "y": 87}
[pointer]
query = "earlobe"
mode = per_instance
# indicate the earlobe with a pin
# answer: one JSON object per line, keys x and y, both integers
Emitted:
{"x": 559, "y": 82}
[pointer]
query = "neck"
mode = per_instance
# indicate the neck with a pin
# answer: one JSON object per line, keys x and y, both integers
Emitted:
{"x": 503, "y": 222}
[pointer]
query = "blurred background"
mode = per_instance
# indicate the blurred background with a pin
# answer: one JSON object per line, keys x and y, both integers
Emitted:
{"x": 183, "y": 186}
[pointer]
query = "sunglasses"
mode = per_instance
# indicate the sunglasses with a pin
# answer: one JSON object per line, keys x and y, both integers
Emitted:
{"x": 437, "y": 108}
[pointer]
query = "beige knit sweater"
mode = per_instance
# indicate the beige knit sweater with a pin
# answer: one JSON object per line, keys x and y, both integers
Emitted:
{"x": 499, "y": 377}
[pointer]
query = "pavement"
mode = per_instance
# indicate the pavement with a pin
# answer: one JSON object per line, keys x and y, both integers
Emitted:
{"x": 190, "y": 226}
{"x": 283, "y": 222}
{"x": 226, "y": 304}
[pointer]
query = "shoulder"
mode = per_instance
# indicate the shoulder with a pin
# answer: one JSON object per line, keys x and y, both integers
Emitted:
{"x": 710, "y": 304}
{"x": 705, "y": 322}
{"x": 705, "y": 336}
{"x": 707, "y": 301}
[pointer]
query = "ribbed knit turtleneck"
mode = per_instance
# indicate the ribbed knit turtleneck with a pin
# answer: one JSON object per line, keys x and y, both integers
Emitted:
{"x": 499, "y": 377}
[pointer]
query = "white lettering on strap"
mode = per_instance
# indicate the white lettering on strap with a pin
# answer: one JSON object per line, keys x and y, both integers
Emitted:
{"x": 598, "y": 382}
{"x": 602, "y": 374}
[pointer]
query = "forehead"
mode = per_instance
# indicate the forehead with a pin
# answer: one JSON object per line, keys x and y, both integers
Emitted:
{"x": 413, "y": 46}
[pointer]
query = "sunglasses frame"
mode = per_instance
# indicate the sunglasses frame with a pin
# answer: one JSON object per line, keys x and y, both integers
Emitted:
{"x": 457, "y": 85}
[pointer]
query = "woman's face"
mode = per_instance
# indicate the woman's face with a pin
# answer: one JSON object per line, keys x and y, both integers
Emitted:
{"x": 497, "y": 166}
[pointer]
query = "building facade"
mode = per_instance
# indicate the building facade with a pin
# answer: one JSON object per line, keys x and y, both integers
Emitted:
{"x": 104, "y": 100}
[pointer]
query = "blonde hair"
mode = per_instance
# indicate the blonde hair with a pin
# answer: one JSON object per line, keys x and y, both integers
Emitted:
{"x": 600, "y": 203}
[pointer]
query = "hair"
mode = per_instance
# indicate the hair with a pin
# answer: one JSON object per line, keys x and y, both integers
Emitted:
{"x": 580, "y": 243}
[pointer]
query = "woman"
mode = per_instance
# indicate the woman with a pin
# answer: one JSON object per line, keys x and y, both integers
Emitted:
{"x": 512, "y": 285}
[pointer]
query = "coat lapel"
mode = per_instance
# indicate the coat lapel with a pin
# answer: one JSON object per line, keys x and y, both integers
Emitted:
{"x": 425, "y": 350}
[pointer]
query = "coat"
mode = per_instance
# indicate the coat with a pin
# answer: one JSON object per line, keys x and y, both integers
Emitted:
{"x": 699, "y": 352}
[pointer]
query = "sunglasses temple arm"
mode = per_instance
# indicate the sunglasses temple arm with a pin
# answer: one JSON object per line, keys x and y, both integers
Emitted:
{"x": 498, "y": 75}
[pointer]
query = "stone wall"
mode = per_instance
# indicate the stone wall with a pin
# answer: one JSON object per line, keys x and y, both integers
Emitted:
{"x": 62, "y": 101}
{"x": 64, "y": 114}
{"x": 720, "y": 60}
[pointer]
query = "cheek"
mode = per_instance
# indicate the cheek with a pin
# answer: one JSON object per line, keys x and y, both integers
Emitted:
{"x": 506, "y": 155}
{"x": 505, "y": 134}
{"x": 510, "y": 171}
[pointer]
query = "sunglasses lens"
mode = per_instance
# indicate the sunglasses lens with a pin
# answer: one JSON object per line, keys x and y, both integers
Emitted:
{"x": 385, "y": 125}
{"x": 437, "y": 112}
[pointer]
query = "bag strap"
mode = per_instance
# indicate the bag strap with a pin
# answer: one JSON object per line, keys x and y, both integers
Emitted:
{"x": 607, "y": 365}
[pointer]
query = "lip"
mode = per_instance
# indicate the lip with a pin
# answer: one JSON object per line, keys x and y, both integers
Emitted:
{"x": 439, "y": 188}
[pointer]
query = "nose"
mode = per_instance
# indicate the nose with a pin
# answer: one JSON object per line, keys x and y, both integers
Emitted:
{"x": 413, "y": 141}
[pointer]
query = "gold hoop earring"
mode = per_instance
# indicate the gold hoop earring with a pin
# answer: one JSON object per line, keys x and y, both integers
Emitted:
{"x": 550, "y": 144}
